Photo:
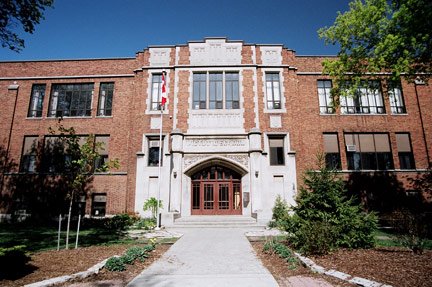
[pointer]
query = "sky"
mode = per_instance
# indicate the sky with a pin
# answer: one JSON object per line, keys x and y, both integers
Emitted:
{"x": 79, "y": 29}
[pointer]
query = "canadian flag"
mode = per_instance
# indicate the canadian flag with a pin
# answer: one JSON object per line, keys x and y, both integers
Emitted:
{"x": 164, "y": 95}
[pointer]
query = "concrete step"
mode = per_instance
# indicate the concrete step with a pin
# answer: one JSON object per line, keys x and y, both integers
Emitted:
{"x": 217, "y": 221}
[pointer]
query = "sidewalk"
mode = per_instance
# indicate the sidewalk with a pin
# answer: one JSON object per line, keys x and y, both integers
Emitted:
{"x": 207, "y": 257}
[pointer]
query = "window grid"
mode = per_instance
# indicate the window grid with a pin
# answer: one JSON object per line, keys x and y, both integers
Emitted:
{"x": 153, "y": 152}
{"x": 397, "y": 104}
{"x": 277, "y": 150}
{"x": 71, "y": 100}
{"x": 273, "y": 91}
{"x": 331, "y": 151}
{"x": 29, "y": 154}
{"x": 368, "y": 151}
{"x": 156, "y": 92}
{"x": 324, "y": 96}
{"x": 106, "y": 93}
{"x": 367, "y": 99}
{"x": 215, "y": 90}
{"x": 36, "y": 101}
{"x": 405, "y": 153}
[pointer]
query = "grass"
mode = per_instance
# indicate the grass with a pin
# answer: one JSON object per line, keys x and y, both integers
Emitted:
{"x": 386, "y": 238}
{"x": 39, "y": 238}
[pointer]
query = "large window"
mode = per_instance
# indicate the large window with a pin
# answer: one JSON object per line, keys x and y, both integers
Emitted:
{"x": 273, "y": 93}
{"x": 367, "y": 99}
{"x": 106, "y": 93}
{"x": 71, "y": 100}
{"x": 216, "y": 90}
{"x": 156, "y": 92}
{"x": 276, "y": 149}
{"x": 331, "y": 151}
{"x": 325, "y": 99}
{"x": 368, "y": 151}
{"x": 36, "y": 101}
{"x": 29, "y": 154}
{"x": 397, "y": 104}
{"x": 406, "y": 157}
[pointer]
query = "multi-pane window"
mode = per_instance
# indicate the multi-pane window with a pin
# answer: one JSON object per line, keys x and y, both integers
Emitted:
{"x": 71, "y": 100}
{"x": 276, "y": 150}
{"x": 368, "y": 151}
{"x": 397, "y": 104}
{"x": 29, "y": 154}
{"x": 216, "y": 90}
{"x": 273, "y": 91}
{"x": 325, "y": 98}
{"x": 98, "y": 207}
{"x": 106, "y": 93}
{"x": 406, "y": 157}
{"x": 331, "y": 151}
{"x": 36, "y": 101}
{"x": 367, "y": 99}
{"x": 153, "y": 151}
{"x": 156, "y": 92}
{"x": 103, "y": 151}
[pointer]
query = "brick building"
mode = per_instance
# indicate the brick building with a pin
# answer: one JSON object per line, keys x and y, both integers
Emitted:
{"x": 241, "y": 125}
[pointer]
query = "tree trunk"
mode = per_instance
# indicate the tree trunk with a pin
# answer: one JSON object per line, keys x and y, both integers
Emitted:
{"x": 68, "y": 222}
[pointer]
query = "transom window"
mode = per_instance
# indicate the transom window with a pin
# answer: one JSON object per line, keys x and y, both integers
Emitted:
{"x": 216, "y": 90}
{"x": 324, "y": 96}
{"x": 368, "y": 151}
{"x": 71, "y": 100}
{"x": 397, "y": 104}
{"x": 273, "y": 91}
{"x": 367, "y": 99}
{"x": 36, "y": 101}
{"x": 106, "y": 93}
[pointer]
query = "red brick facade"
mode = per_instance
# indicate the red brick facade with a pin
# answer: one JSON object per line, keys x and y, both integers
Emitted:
{"x": 300, "y": 116}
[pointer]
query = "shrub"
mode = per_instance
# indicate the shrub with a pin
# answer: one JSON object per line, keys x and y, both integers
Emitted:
{"x": 119, "y": 222}
{"x": 146, "y": 223}
{"x": 115, "y": 264}
{"x": 412, "y": 231}
{"x": 137, "y": 252}
{"x": 325, "y": 218}
{"x": 283, "y": 251}
{"x": 280, "y": 213}
{"x": 13, "y": 259}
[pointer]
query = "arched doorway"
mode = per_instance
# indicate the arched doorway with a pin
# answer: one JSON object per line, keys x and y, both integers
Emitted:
{"x": 216, "y": 190}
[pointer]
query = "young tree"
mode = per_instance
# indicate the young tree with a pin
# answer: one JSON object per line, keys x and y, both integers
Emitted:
{"x": 375, "y": 36}
{"x": 15, "y": 13}
{"x": 81, "y": 155}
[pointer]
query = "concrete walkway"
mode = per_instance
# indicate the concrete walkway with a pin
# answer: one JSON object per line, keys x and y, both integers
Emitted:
{"x": 207, "y": 257}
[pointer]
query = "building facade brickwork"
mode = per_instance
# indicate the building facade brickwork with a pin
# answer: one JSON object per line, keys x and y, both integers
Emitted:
{"x": 242, "y": 124}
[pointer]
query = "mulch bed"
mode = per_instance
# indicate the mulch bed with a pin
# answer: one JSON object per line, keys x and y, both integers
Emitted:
{"x": 50, "y": 264}
{"x": 394, "y": 266}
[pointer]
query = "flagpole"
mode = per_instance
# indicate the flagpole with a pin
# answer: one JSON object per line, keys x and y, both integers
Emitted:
{"x": 158, "y": 223}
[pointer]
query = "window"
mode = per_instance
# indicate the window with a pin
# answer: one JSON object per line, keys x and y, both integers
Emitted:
{"x": 276, "y": 145}
{"x": 153, "y": 152}
{"x": 98, "y": 207}
{"x": 273, "y": 91}
{"x": 397, "y": 104}
{"x": 103, "y": 151}
{"x": 71, "y": 100}
{"x": 368, "y": 152}
{"x": 106, "y": 93}
{"x": 29, "y": 154}
{"x": 406, "y": 157}
{"x": 36, "y": 101}
{"x": 216, "y": 90}
{"x": 325, "y": 99}
{"x": 367, "y": 99}
{"x": 156, "y": 92}
{"x": 331, "y": 151}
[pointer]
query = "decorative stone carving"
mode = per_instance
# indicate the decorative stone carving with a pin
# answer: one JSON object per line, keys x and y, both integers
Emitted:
{"x": 215, "y": 52}
{"x": 159, "y": 57}
{"x": 240, "y": 158}
{"x": 190, "y": 160}
{"x": 271, "y": 55}
{"x": 215, "y": 144}
{"x": 216, "y": 122}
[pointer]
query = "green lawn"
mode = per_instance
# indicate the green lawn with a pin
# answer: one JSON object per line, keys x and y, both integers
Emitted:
{"x": 38, "y": 238}
{"x": 389, "y": 239}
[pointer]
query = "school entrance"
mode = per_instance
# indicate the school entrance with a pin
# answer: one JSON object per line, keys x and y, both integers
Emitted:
{"x": 216, "y": 190}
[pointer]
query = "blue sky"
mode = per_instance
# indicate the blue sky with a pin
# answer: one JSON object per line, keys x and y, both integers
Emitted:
{"x": 108, "y": 28}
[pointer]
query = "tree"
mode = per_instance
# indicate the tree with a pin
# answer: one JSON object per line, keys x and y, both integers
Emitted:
{"x": 380, "y": 37}
{"x": 15, "y": 13}
{"x": 80, "y": 158}
{"x": 152, "y": 205}
{"x": 325, "y": 218}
